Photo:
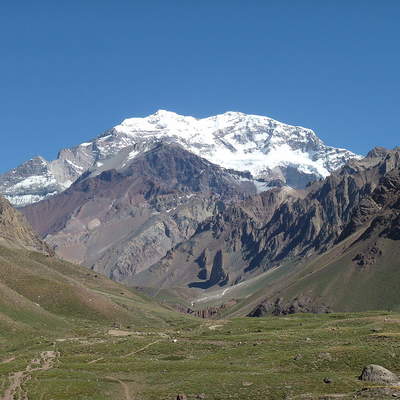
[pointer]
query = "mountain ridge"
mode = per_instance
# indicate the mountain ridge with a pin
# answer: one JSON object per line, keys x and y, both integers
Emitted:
{"x": 266, "y": 148}
{"x": 295, "y": 228}
{"x": 15, "y": 231}
{"x": 120, "y": 221}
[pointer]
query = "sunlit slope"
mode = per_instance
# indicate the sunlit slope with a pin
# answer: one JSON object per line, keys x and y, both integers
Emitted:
{"x": 335, "y": 279}
{"x": 41, "y": 292}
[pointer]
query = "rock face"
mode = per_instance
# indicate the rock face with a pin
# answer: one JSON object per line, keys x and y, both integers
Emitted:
{"x": 278, "y": 307}
{"x": 378, "y": 374}
{"x": 206, "y": 313}
{"x": 218, "y": 254}
{"x": 38, "y": 179}
{"x": 245, "y": 239}
{"x": 270, "y": 150}
{"x": 15, "y": 230}
{"x": 332, "y": 209}
{"x": 121, "y": 222}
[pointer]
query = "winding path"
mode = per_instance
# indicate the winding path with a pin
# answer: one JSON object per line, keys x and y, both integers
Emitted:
{"x": 44, "y": 362}
{"x": 124, "y": 387}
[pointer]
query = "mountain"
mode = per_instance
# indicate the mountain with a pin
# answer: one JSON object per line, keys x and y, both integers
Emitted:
{"x": 120, "y": 222}
{"x": 39, "y": 292}
{"x": 361, "y": 270}
{"x": 224, "y": 249}
{"x": 332, "y": 246}
{"x": 268, "y": 149}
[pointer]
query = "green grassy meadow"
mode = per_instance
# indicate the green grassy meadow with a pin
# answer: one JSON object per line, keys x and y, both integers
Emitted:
{"x": 243, "y": 358}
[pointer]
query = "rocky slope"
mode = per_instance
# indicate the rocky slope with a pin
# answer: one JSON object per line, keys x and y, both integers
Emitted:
{"x": 359, "y": 272}
{"x": 268, "y": 149}
{"x": 244, "y": 240}
{"x": 40, "y": 293}
{"x": 121, "y": 222}
{"x": 224, "y": 249}
{"x": 15, "y": 231}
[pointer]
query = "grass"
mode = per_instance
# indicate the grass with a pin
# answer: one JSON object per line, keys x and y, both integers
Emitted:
{"x": 242, "y": 358}
{"x": 39, "y": 293}
{"x": 114, "y": 343}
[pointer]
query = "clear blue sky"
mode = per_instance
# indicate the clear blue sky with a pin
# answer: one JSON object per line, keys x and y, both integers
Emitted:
{"x": 71, "y": 69}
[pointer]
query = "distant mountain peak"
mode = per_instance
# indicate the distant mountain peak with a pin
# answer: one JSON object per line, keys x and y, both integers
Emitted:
{"x": 262, "y": 146}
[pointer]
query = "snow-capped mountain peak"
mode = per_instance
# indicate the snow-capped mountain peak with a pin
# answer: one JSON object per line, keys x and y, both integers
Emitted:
{"x": 240, "y": 141}
{"x": 267, "y": 148}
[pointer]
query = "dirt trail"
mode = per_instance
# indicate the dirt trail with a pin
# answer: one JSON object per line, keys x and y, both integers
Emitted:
{"x": 95, "y": 361}
{"x": 44, "y": 362}
{"x": 142, "y": 348}
{"x": 124, "y": 387}
{"x": 8, "y": 360}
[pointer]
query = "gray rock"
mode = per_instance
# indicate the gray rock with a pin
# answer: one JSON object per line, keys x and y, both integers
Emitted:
{"x": 378, "y": 374}
{"x": 325, "y": 356}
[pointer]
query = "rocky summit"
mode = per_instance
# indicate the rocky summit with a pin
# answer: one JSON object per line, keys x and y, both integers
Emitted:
{"x": 268, "y": 150}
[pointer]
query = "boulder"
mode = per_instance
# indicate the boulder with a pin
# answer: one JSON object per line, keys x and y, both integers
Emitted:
{"x": 378, "y": 374}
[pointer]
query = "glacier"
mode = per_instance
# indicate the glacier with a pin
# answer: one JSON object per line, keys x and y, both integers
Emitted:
{"x": 267, "y": 149}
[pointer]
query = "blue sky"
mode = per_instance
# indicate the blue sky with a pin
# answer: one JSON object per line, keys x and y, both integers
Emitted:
{"x": 71, "y": 69}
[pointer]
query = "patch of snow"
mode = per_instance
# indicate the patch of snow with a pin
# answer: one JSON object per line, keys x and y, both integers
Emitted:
{"x": 132, "y": 155}
{"x": 34, "y": 180}
{"x": 261, "y": 186}
{"x": 74, "y": 165}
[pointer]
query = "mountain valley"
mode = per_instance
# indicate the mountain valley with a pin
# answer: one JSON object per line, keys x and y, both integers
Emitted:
{"x": 143, "y": 195}
{"x": 199, "y": 216}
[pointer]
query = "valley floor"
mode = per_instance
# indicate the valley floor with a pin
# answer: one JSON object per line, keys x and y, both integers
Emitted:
{"x": 244, "y": 358}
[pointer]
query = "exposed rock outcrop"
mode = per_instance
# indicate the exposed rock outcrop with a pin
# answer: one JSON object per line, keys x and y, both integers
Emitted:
{"x": 15, "y": 230}
{"x": 279, "y": 225}
{"x": 302, "y": 304}
{"x": 378, "y": 374}
{"x": 121, "y": 222}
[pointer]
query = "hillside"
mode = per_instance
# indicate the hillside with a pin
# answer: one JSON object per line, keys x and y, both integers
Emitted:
{"x": 361, "y": 272}
{"x": 345, "y": 227}
{"x": 39, "y": 291}
{"x": 15, "y": 230}
{"x": 120, "y": 222}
